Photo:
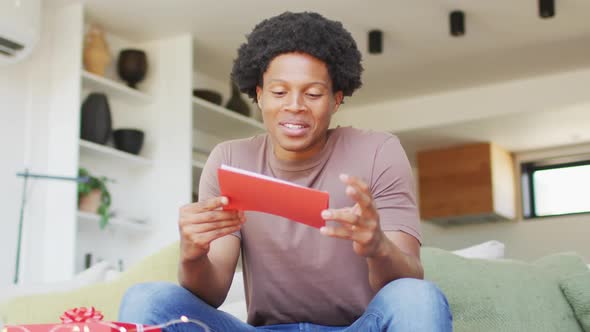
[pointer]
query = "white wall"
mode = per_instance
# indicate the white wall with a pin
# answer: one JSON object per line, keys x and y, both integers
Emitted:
{"x": 524, "y": 239}
{"x": 554, "y": 92}
{"x": 39, "y": 110}
{"x": 12, "y": 128}
{"x": 171, "y": 118}
{"x": 53, "y": 256}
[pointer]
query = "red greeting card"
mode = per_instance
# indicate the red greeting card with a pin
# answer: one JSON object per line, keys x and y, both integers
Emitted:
{"x": 249, "y": 191}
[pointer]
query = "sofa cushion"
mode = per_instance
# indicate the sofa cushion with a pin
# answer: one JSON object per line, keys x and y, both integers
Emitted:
{"x": 92, "y": 275}
{"x": 490, "y": 249}
{"x": 106, "y": 296}
{"x": 496, "y": 295}
{"x": 504, "y": 295}
{"x": 576, "y": 289}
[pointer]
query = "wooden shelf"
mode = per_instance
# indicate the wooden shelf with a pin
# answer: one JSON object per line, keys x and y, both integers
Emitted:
{"x": 115, "y": 89}
{"x": 107, "y": 151}
{"x": 215, "y": 119}
{"x": 123, "y": 223}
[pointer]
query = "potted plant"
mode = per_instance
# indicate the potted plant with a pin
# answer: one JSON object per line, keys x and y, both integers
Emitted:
{"x": 94, "y": 196}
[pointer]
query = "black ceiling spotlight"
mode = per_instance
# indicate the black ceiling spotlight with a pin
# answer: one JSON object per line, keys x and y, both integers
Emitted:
{"x": 375, "y": 41}
{"x": 457, "y": 23}
{"x": 546, "y": 8}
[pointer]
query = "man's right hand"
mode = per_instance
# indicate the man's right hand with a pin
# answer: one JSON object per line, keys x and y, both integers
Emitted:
{"x": 202, "y": 222}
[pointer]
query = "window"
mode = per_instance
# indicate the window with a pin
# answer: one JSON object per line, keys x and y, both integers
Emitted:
{"x": 555, "y": 188}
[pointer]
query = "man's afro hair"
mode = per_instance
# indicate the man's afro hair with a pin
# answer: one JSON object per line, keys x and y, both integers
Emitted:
{"x": 306, "y": 32}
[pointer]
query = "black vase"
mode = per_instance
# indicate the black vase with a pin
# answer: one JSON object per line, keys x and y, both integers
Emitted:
{"x": 209, "y": 95}
{"x": 128, "y": 140}
{"x": 96, "y": 123}
{"x": 236, "y": 103}
{"x": 132, "y": 66}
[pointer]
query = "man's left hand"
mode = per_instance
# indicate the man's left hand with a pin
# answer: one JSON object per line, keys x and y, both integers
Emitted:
{"x": 359, "y": 223}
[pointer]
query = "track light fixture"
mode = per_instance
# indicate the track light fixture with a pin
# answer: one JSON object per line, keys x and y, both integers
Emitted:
{"x": 546, "y": 8}
{"x": 375, "y": 41}
{"x": 457, "y": 23}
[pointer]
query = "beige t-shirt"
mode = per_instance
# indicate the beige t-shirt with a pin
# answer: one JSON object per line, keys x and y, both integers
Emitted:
{"x": 292, "y": 273}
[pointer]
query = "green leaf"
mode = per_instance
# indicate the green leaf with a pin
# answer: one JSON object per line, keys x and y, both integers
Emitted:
{"x": 105, "y": 197}
{"x": 104, "y": 220}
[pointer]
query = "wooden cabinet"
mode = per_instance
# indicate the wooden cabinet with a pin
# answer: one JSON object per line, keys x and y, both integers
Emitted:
{"x": 469, "y": 183}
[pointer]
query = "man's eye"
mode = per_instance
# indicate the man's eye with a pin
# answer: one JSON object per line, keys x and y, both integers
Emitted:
{"x": 314, "y": 95}
{"x": 278, "y": 93}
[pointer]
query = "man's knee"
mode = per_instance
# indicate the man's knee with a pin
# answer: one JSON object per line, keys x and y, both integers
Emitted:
{"x": 412, "y": 305}
{"x": 418, "y": 297}
{"x": 140, "y": 300}
{"x": 151, "y": 292}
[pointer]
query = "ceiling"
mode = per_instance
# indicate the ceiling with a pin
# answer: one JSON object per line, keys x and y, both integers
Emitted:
{"x": 518, "y": 132}
{"x": 505, "y": 39}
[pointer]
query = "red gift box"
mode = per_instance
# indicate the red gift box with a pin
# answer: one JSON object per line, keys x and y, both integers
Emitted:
{"x": 82, "y": 320}
{"x": 82, "y": 327}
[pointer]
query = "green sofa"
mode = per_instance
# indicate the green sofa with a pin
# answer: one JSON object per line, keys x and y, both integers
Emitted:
{"x": 549, "y": 294}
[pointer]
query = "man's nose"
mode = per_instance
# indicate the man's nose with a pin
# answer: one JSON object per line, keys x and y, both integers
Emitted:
{"x": 295, "y": 103}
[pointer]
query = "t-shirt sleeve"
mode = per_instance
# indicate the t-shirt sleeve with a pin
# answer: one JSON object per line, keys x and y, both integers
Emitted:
{"x": 209, "y": 183}
{"x": 393, "y": 189}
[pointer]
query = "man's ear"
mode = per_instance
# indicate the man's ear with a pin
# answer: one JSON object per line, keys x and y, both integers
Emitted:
{"x": 338, "y": 97}
{"x": 258, "y": 94}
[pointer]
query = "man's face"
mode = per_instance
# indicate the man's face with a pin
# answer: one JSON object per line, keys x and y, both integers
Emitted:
{"x": 297, "y": 103}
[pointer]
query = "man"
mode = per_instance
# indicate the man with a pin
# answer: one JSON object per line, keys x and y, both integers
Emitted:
{"x": 362, "y": 271}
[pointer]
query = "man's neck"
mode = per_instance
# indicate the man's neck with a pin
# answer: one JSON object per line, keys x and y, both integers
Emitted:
{"x": 286, "y": 155}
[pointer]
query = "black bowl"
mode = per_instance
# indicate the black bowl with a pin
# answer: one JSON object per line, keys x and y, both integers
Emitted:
{"x": 128, "y": 140}
{"x": 208, "y": 95}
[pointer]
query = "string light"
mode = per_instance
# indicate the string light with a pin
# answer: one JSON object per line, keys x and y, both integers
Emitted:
{"x": 73, "y": 327}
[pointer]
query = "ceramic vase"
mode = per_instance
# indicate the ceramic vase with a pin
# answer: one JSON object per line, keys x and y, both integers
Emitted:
{"x": 90, "y": 202}
{"x": 236, "y": 103}
{"x": 96, "y": 51}
{"x": 209, "y": 95}
{"x": 128, "y": 140}
{"x": 96, "y": 122}
{"x": 132, "y": 66}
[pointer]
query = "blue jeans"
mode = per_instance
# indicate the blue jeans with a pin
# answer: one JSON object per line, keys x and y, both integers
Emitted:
{"x": 402, "y": 305}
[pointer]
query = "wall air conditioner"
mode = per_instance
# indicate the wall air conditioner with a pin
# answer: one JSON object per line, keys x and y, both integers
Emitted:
{"x": 20, "y": 22}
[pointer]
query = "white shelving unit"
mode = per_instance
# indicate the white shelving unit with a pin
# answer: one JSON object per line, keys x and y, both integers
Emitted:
{"x": 128, "y": 172}
{"x": 197, "y": 169}
{"x": 114, "y": 89}
{"x": 151, "y": 186}
{"x": 198, "y": 164}
{"x": 114, "y": 154}
{"x": 217, "y": 123}
{"x": 124, "y": 224}
{"x": 214, "y": 119}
